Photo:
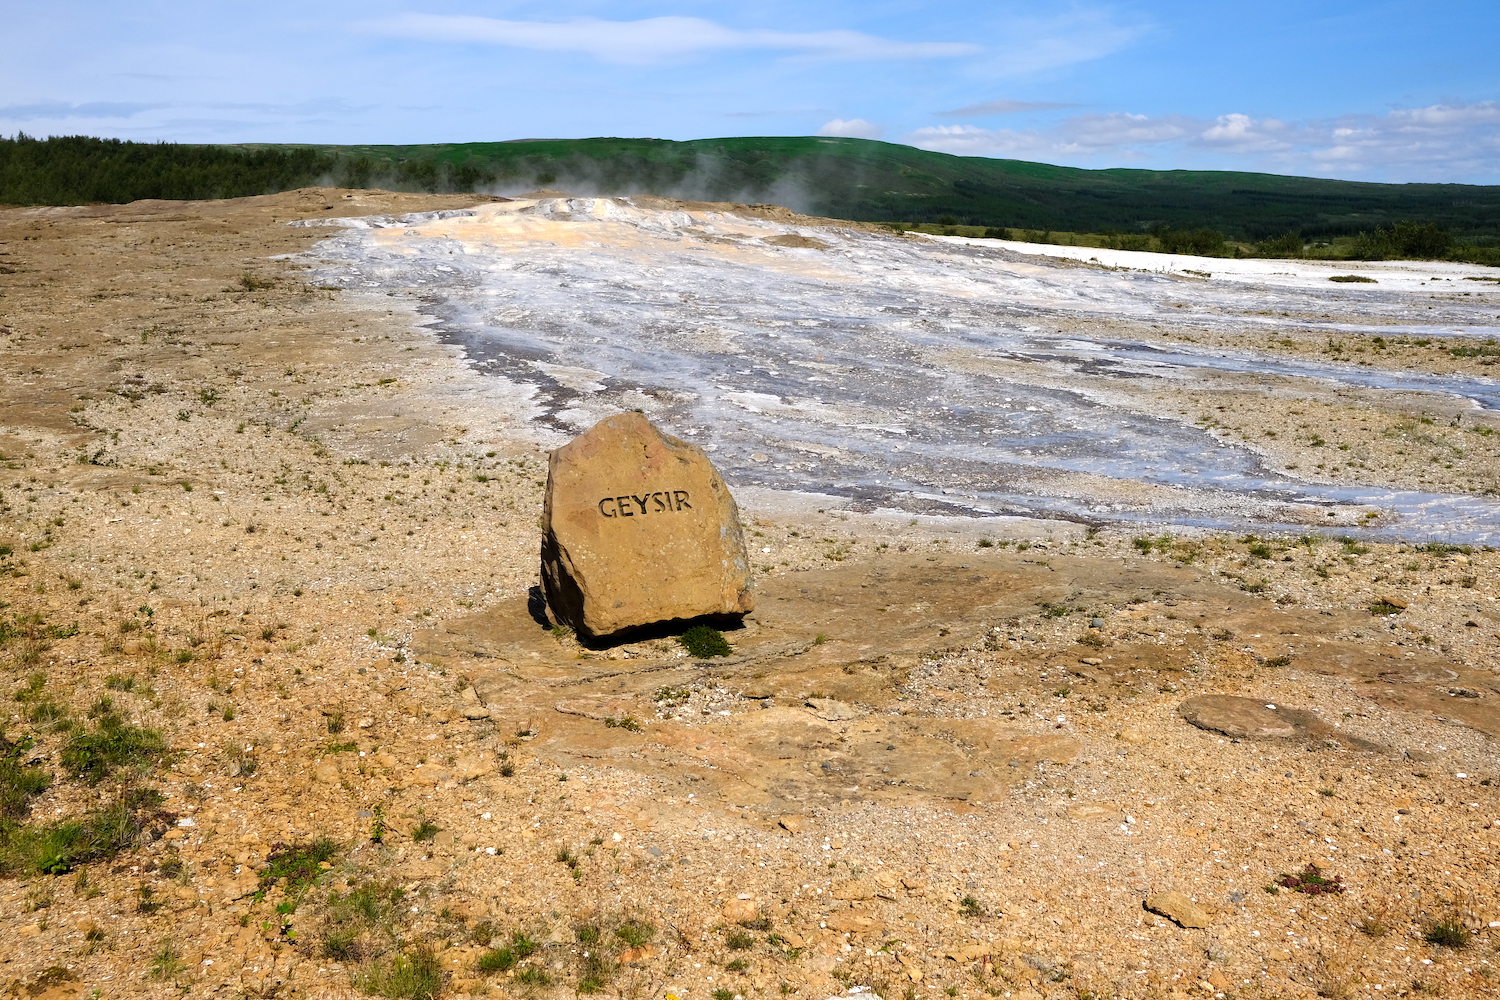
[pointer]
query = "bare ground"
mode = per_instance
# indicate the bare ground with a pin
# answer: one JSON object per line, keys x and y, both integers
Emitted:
{"x": 287, "y": 529}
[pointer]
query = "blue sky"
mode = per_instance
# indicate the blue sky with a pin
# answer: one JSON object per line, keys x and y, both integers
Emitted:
{"x": 1389, "y": 91}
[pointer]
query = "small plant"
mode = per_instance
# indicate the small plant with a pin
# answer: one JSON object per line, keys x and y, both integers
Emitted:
{"x": 627, "y": 723}
{"x": 1353, "y": 278}
{"x": 566, "y": 857}
{"x": 634, "y": 933}
{"x": 532, "y": 976}
{"x": 738, "y": 940}
{"x": 969, "y": 907}
{"x": 1311, "y": 881}
{"x": 704, "y": 642}
{"x": 1385, "y": 608}
{"x": 738, "y": 965}
{"x": 296, "y": 866}
{"x": 1279, "y": 661}
{"x": 417, "y": 975}
{"x": 501, "y": 959}
{"x": 723, "y": 993}
{"x": 425, "y": 830}
{"x": 377, "y": 826}
{"x": 335, "y": 722}
{"x": 671, "y": 696}
{"x": 1446, "y": 932}
{"x": 167, "y": 962}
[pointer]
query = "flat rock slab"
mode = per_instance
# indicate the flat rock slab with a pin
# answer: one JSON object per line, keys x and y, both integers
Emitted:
{"x": 1238, "y": 718}
{"x": 1179, "y": 909}
{"x": 639, "y": 529}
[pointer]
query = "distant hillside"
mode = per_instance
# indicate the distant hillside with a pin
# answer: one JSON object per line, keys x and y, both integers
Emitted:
{"x": 839, "y": 178}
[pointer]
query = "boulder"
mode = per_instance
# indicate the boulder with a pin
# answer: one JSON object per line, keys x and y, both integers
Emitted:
{"x": 639, "y": 529}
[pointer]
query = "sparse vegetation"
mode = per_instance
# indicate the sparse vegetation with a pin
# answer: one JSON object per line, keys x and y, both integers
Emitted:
{"x": 1312, "y": 882}
{"x": 704, "y": 642}
{"x": 1447, "y": 932}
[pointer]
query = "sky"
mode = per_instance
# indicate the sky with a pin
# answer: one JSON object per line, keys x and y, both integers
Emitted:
{"x": 1385, "y": 91}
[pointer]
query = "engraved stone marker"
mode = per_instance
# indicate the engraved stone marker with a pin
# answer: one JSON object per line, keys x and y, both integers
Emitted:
{"x": 639, "y": 528}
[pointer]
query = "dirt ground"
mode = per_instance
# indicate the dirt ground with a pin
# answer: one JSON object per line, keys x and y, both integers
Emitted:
{"x": 286, "y": 528}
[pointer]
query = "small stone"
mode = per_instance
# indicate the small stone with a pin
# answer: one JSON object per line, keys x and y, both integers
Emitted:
{"x": 475, "y": 711}
{"x": 1392, "y": 600}
{"x": 366, "y": 722}
{"x": 740, "y": 910}
{"x": 630, "y": 956}
{"x": 1133, "y": 736}
{"x": 832, "y": 711}
{"x": 1092, "y": 661}
{"x": 1178, "y": 908}
{"x": 1238, "y": 718}
{"x": 639, "y": 528}
{"x": 791, "y": 824}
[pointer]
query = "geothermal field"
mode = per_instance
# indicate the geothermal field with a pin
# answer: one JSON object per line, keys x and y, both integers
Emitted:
{"x": 957, "y": 376}
{"x": 1125, "y": 623}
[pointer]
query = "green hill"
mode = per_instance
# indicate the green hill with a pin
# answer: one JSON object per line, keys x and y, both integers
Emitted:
{"x": 839, "y": 178}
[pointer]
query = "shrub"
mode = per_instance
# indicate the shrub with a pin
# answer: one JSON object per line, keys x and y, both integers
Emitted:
{"x": 704, "y": 642}
{"x": 1288, "y": 244}
{"x": 1202, "y": 242}
{"x": 1353, "y": 277}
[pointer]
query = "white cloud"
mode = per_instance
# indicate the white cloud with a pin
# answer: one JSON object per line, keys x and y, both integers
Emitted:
{"x": 1435, "y": 142}
{"x": 1027, "y": 46}
{"x": 656, "y": 39}
{"x": 852, "y": 128}
{"x": 1002, "y": 107}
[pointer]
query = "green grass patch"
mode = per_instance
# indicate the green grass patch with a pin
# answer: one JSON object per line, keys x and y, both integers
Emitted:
{"x": 704, "y": 642}
{"x": 98, "y": 835}
{"x": 414, "y": 975}
{"x": 296, "y": 866}
{"x": 112, "y": 744}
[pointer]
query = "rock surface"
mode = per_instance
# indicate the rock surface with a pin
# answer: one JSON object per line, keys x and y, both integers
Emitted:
{"x": 1239, "y": 718}
{"x": 639, "y": 528}
{"x": 1178, "y": 908}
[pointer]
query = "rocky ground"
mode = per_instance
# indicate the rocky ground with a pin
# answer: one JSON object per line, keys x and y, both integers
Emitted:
{"x": 283, "y": 528}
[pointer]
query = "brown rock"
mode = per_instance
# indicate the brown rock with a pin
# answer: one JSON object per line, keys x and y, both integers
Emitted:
{"x": 851, "y": 921}
{"x": 639, "y": 528}
{"x": 854, "y": 889}
{"x": 1178, "y": 908}
{"x": 1239, "y": 718}
{"x": 738, "y": 910}
{"x": 631, "y": 956}
{"x": 791, "y": 824}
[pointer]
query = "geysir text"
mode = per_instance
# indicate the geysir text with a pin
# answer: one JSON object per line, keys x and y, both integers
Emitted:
{"x": 651, "y": 503}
